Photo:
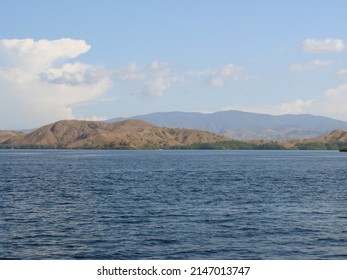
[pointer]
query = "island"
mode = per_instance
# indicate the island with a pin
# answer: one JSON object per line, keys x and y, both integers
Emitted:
{"x": 138, "y": 134}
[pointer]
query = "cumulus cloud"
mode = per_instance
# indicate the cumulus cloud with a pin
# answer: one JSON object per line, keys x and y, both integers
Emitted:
{"x": 39, "y": 54}
{"x": 148, "y": 81}
{"x": 74, "y": 74}
{"x": 38, "y": 85}
{"x": 327, "y": 45}
{"x": 315, "y": 64}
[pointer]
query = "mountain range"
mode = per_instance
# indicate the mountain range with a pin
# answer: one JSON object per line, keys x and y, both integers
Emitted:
{"x": 138, "y": 134}
{"x": 247, "y": 126}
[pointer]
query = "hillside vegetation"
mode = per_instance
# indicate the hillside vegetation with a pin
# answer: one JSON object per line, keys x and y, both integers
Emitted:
{"x": 129, "y": 134}
{"x": 137, "y": 134}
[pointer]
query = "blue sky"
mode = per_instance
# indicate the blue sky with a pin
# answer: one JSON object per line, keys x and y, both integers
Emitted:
{"x": 108, "y": 58}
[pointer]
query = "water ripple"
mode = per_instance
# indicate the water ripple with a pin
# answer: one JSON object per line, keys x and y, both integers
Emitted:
{"x": 173, "y": 205}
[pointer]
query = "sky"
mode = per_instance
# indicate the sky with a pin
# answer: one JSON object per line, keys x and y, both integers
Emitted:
{"x": 97, "y": 60}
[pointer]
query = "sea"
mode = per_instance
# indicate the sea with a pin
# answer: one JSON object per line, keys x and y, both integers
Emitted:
{"x": 201, "y": 205}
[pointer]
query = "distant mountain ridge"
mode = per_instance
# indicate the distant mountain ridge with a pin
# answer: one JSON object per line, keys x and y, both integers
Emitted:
{"x": 247, "y": 126}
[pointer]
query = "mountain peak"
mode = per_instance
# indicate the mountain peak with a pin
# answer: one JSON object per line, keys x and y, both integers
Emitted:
{"x": 248, "y": 126}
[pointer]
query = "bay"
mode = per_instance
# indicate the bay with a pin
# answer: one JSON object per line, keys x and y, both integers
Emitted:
{"x": 92, "y": 204}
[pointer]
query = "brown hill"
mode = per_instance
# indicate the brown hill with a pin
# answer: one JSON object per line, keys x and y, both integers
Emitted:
{"x": 124, "y": 134}
{"x": 336, "y": 136}
{"x": 5, "y": 135}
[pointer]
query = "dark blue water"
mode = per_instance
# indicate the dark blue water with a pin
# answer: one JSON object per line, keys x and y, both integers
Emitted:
{"x": 173, "y": 204}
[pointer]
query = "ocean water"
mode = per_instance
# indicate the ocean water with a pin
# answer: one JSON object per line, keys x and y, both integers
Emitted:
{"x": 85, "y": 204}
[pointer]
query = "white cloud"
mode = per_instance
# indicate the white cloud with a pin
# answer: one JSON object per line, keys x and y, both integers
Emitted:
{"x": 39, "y": 55}
{"x": 132, "y": 72}
{"x": 332, "y": 104}
{"x": 315, "y": 64}
{"x": 39, "y": 83}
{"x": 148, "y": 81}
{"x": 94, "y": 118}
{"x": 298, "y": 106}
{"x": 228, "y": 71}
{"x": 343, "y": 73}
{"x": 218, "y": 77}
{"x": 38, "y": 87}
{"x": 156, "y": 79}
{"x": 156, "y": 86}
{"x": 74, "y": 74}
{"x": 327, "y": 45}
